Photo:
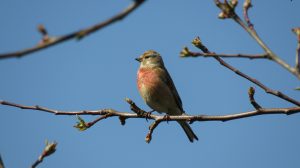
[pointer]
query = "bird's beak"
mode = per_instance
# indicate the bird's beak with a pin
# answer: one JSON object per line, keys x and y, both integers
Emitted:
{"x": 138, "y": 59}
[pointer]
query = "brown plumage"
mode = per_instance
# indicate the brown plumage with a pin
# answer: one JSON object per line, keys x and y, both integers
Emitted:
{"x": 158, "y": 90}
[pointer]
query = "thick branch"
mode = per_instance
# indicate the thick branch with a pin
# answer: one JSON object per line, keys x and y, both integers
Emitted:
{"x": 78, "y": 34}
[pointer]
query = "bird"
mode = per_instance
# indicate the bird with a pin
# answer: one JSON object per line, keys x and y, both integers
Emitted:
{"x": 157, "y": 89}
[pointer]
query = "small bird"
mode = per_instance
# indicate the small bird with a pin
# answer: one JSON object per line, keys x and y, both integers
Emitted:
{"x": 158, "y": 90}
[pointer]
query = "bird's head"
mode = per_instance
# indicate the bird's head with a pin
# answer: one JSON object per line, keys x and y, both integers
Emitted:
{"x": 150, "y": 58}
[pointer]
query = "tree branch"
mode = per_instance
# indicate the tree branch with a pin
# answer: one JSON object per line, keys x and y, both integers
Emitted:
{"x": 228, "y": 11}
{"x": 246, "y": 6}
{"x": 297, "y": 32}
{"x": 197, "y": 42}
{"x": 51, "y": 41}
{"x": 251, "y": 93}
{"x": 107, "y": 113}
{"x": 201, "y": 54}
{"x": 1, "y": 163}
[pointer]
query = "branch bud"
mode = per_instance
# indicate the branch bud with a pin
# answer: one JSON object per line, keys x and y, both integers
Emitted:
{"x": 247, "y": 4}
{"x": 81, "y": 124}
{"x": 233, "y": 3}
{"x": 48, "y": 150}
{"x": 185, "y": 52}
{"x": 251, "y": 91}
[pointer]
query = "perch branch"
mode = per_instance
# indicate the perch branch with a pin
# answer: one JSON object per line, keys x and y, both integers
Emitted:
{"x": 107, "y": 113}
{"x": 114, "y": 113}
{"x": 51, "y": 41}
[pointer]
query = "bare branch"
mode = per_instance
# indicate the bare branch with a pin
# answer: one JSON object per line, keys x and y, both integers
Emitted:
{"x": 107, "y": 113}
{"x": 228, "y": 12}
{"x": 197, "y": 42}
{"x": 1, "y": 163}
{"x": 183, "y": 53}
{"x": 51, "y": 41}
{"x": 113, "y": 113}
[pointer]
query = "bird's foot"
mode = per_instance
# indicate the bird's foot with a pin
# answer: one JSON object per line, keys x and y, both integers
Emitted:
{"x": 166, "y": 117}
{"x": 148, "y": 114}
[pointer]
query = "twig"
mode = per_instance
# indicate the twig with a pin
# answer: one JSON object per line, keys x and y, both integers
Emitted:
{"x": 251, "y": 93}
{"x": 201, "y": 54}
{"x": 151, "y": 129}
{"x": 49, "y": 149}
{"x": 246, "y": 6}
{"x": 107, "y": 113}
{"x": 197, "y": 42}
{"x": 297, "y": 32}
{"x": 228, "y": 12}
{"x": 78, "y": 34}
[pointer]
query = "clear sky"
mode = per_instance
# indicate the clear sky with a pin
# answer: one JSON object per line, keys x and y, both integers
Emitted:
{"x": 100, "y": 71}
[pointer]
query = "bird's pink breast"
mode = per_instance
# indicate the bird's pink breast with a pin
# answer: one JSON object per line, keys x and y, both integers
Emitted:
{"x": 146, "y": 77}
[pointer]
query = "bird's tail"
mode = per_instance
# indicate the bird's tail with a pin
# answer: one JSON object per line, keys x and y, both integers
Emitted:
{"x": 188, "y": 131}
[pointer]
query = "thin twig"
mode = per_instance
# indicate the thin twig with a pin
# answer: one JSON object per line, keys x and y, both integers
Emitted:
{"x": 249, "y": 56}
{"x": 297, "y": 32}
{"x": 78, "y": 34}
{"x": 246, "y": 6}
{"x": 251, "y": 93}
{"x": 197, "y": 42}
{"x": 151, "y": 129}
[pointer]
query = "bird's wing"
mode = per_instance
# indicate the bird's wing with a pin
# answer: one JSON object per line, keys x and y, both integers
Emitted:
{"x": 168, "y": 80}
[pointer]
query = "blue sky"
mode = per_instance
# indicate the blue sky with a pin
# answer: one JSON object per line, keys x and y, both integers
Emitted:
{"x": 100, "y": 71}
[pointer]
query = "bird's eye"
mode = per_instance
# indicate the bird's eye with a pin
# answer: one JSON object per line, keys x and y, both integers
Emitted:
{"x": 147, "y": 57}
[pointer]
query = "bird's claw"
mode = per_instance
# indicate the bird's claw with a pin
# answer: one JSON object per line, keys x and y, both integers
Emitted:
{"x": 148, "y": 114}
{"x": 166, "y": 117}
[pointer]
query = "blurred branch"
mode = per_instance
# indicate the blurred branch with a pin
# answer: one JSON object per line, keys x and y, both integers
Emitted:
{"x": 228, "y": 11}
{"x": 1, "y": 163}
{"x": 297, "y": 32}
{"x": 138, "y": 113}
{"x": 49, "y": 149}
{"x": 48, "y": 41}
{"x": 197, "y": 42}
